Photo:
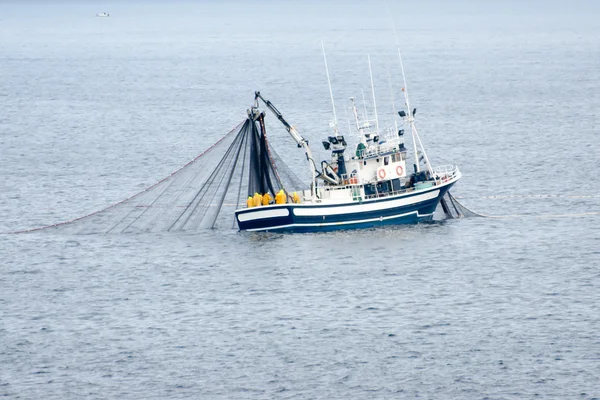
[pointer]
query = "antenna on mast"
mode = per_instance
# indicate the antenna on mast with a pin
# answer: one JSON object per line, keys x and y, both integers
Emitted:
{"x": 348, "y": 119}
{"x": 393, "y": 101}
{"x": 335, "y": 123}
{"x": 405, "y": 88}
{"x": 411, "y": 113}
{"x": 366, "y": 117}
{"x": 411, "y": 118}
{"x": 373, "y": 91}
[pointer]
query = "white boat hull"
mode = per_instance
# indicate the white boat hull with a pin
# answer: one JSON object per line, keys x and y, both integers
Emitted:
{"x": 406, "y": 208}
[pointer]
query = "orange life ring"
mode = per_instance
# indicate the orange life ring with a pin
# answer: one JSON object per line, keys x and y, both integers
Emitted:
{"x": 399, "y": 170}
{"x": 381, "y": 173}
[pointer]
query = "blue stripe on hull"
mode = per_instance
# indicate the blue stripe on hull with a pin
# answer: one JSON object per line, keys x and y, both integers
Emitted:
{"x": 408, "y": 214}
{"x": 406, "y": 219}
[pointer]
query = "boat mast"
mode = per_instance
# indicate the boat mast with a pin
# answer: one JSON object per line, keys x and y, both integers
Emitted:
{"x": 373, "y": 91}
{"x": 393, "y": 102}
{"x": 411, "y": 118}
{"x": 429, "y": 168}
{"x": 355, "y": 112}
{"x": 348, "y": 119}
{"x": 366, "y": 116}
{"x": 335, "y": 123}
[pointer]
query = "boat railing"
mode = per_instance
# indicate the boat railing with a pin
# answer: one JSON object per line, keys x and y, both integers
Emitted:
{"x": 385, "y": 146}
{"x": 378, "y": 194}
{"x": 445, "y": 171}
{"x": 441, "y": 175}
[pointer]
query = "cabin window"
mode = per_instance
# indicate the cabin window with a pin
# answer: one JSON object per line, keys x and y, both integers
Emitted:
{"x": 386, "y": 160}
{"x": 365, "y": 162}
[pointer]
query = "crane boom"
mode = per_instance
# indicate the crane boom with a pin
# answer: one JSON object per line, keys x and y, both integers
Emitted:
{"x": 299, "y": 140}
{"x": 293, "y": 132}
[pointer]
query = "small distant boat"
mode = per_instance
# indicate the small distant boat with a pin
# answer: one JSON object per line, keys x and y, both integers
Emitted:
{"x": 103, "y": 14}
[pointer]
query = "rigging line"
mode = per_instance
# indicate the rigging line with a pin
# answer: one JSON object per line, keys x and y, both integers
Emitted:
{"x": 348, "y": 119}
{"x": 455, "y": 208}
{"x": 132, "y": 196}
{"x": 254, "y": 165}
{"x": 229, "y": 170}
{"x": 226, "y": 189}
{"x": 235, "y": 145}
{"x": 268, "y": 147}
{"x": 583, "y": 214}
{"x": 373, "y": 91}
{"x": 215, "y": 171}
{"x": 462, "y": 206}
{"x": 429, "y": 167}
{"x": 445, "y": 208}
{"x": 291, "y": 175}
{"x": 169, "y": 203}
{"x": 387, "y": 6}
{"x": 191, "y": 211}
{"x": 142, "y": 213}
{"x": 238, "y": 205}
{"x": 405, "y": 90}
{"x": 187, "y": 181}
{"x": 266, "y": 164}
{"x": 531, "y": 196}
{"x": 393, "y": 100}
{"x": 335, "y": 127}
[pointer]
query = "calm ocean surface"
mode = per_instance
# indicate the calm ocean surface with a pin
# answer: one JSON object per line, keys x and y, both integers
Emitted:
{"x": 93, "y": 110}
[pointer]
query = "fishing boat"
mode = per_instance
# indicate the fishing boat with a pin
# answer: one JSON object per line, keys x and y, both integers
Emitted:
{"x": 369, "y": 178}
{"x": 376, "y": 183}
{"x": 103, "y": 14}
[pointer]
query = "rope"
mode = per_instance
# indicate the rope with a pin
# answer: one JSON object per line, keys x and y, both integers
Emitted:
{"x": 585, "y": 214}
{"x": 239, "y": 193}
{"x": 206, "y": 184}
{"x": 591, "y": 213}
{"x": 230, "y": 175}
{"x": 531, "y": 196}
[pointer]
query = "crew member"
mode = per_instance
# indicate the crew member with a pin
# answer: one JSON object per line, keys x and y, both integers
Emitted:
{"x": 280, "y": 197}
{"x": 266, "y": 199}
{"x": 257, "y": 199}
{"x": 296, "y": 198}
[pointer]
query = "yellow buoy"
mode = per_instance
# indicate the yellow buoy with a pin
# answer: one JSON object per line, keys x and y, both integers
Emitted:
{"x": 296, "y": 198}
{"x": 250, "y": 202}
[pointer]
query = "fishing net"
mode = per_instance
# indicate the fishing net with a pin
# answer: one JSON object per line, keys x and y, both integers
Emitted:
{"x": 454, "y": 209}
{"x": 202, "y": 194}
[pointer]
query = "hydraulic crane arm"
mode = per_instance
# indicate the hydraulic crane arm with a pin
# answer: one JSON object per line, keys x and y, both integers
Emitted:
{"x": 293, "y": 132}
{"x": 299, "y": 140}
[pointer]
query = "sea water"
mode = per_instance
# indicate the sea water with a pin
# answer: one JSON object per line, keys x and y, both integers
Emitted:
{"x": 95, "y": 109}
